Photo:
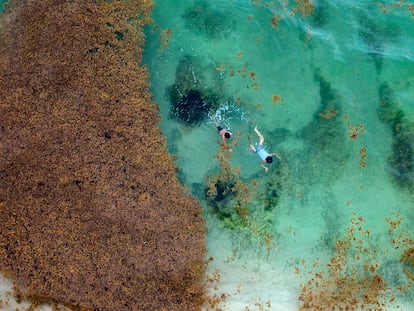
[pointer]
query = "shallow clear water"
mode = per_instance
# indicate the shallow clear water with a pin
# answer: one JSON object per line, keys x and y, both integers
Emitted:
{"x": 312, "y": 86}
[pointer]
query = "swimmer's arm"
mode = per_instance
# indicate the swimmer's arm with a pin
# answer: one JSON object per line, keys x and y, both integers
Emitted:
{"x": 276, "y": 155}
{"x": 223, "y": 138}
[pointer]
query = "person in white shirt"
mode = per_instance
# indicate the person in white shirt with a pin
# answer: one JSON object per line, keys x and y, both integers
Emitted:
{"x": 259, "y": 149}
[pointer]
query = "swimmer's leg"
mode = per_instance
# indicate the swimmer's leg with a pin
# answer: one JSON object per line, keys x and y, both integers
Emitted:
{"x": 261, "y": 138}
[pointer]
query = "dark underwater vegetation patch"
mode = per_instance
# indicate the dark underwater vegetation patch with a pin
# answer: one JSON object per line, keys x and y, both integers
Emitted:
{"x": 397, "y": 275}
{"x": 221, "y": 201}
{"x": 190, "y": 97}
{"x": 375, "y": 36}
{"x": 401, "y": 160}
{"x": 372, "y": 38}
{"x": 210, "y": 22}
{"x": 324, "y": 137}
{"x": 189, "y": 107}
{"x": 330, "y": 98}
{"x": 388, "y": 111}
{"x": 320, "y": 15}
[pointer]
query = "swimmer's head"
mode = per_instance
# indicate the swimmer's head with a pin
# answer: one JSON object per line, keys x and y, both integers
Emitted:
{"x": 227, "y": 135}
{"x": 269, "y": 159}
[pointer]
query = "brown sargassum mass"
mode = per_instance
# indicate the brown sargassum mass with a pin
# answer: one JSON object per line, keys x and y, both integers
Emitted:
{"x": 91, "y": 212}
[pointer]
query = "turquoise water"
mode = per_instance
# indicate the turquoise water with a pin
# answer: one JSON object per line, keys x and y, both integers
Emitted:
{"x": 2, "y": 2}
{"x": 332, "y": 93}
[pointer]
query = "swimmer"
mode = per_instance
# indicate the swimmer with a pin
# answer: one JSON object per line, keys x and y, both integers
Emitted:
{"x": 224, "y": 133}
{"x": 265, "y": 156}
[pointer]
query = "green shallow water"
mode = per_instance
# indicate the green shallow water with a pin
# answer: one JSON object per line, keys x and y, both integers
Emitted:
{"x": 2, "y": 2}
{"x": 332, "y": 93}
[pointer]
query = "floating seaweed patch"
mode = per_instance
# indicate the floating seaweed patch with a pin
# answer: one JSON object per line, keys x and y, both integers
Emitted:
{"x": 140, "y": 237}
{"x": 330, "y": 113}
{"x": 303, "y": 7}
{"x": 239, "y": 54}
{"x": 385, "y": 7}
{"x": 275, "y": 20}
{"x": 276, "y": 98}
{"x": 244, "y": 72}
{"x": 363, "y": 157}
{"x": 214, "y": 299}
{"x": 351, "y": 280}
{"x": 401, "y": 272}
{"x": 165, "y": 36}
{"x": 408, "y": 256}
{"x": 354, "y": 130}
{"x": 221, "y": 67}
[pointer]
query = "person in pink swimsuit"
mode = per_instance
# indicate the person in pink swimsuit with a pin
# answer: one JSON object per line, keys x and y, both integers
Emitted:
{"x": 265, "y": 156}
{"x": 224, "y": 133}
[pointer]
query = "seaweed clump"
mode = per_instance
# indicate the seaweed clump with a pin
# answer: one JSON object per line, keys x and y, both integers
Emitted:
{"x": 227, "y": 194}
{"x": 351, "y": 280}
{"x": 88, "y": 217}
{"x": 404, "y": 243}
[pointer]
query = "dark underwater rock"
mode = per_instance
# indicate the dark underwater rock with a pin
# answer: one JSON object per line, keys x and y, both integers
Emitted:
{"x": 190, "y": 107}
{"x": 190, "y": 100}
